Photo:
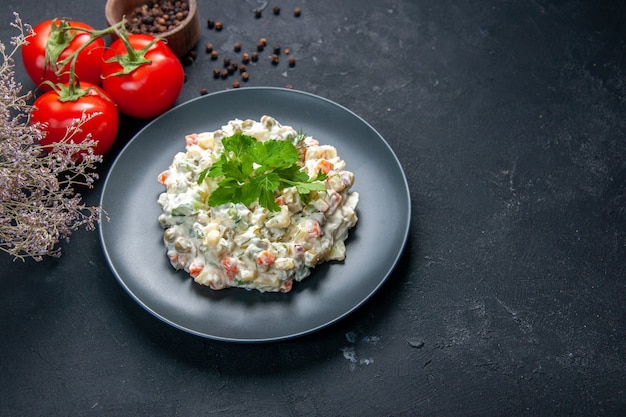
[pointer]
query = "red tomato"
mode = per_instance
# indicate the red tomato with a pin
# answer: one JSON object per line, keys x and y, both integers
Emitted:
{"x": 59, "y": 115}
{"x": 88, "y": 65}
{"x": 151, "y": 88}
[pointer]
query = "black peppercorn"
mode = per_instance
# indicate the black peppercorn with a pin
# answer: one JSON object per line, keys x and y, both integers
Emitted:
{"x": 210, "y": 23}
{"x": 274, "y": 59}
{"x": 257, "y": 13}
{"x": 245, "y": 57}
{"x": 214, "y": 55}
{"x": 219, "y": 26}
{"x": 237, "y": 46}
{"x": 204, "y": 91}
{"x": 188, "y": 59}
{"x": 292, "y": 62}
{"x": 276, "y": 10}
{"x": 157, "y": 17}
{"x": 297, "y": 12}
{"x": 209, "y": 48}
{"x": 236, "y": 84}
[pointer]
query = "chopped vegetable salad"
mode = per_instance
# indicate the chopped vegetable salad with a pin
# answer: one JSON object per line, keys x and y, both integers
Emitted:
{"x": 240, "y": 237}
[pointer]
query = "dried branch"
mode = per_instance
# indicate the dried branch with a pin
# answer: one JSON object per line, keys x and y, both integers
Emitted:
{"x": 39, "y": 205}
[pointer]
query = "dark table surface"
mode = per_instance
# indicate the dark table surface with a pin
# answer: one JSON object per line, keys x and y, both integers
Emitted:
{"x": 508, "y": 118}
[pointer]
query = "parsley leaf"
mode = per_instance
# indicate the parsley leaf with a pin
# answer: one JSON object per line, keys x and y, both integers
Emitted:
{"x": 250, "y": 170}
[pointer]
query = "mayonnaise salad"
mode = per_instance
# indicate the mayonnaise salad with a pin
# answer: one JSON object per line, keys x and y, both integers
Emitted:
{"x": 234, "y": 245}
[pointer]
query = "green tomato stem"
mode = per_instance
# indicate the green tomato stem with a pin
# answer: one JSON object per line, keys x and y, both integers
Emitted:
{"x": 93, "y": 36}
{"x": 134, "y": 58}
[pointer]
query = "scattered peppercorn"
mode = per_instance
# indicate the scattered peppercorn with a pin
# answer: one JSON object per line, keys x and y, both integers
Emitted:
{"x": 188, "y": 59}
{"x": 288, "y": 86}
{"x": 210, "y": 23}
{"x": 230, "y": 66}
{"x": 204, "y": 91}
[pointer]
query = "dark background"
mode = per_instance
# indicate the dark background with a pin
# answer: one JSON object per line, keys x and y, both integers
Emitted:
{"x": 508, "y": 119}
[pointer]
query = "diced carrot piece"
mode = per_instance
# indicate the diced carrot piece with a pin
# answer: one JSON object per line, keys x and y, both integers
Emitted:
{"x": 195, "y": 269}
{"x": 191, "y": 139}
{"x": 230, "y": 266}
{"x": 286, "y": 286}
{"x": 163, "y": 177}
{"x": 314, "y": 229}
{"x": 265, "y": 258}
{"x": 302, "y": 154}
{"x": 325, "y": 166}
{"x": 280, "y": 200}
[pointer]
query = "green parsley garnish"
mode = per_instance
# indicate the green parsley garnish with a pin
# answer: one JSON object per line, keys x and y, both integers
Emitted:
{"x": 250, "y": 170}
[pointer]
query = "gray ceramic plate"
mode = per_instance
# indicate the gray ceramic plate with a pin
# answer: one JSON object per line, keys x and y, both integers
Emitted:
{"x": 132, "y": 238}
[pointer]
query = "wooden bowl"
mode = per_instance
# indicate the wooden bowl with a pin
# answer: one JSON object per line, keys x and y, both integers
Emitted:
{"x": 180, "y": 39}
